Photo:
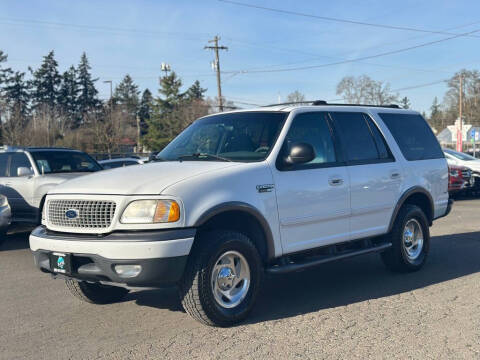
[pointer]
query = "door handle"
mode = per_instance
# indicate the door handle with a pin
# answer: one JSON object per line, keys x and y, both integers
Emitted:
{"x": 395, "y": 175}
{"x": 335, "y": 182}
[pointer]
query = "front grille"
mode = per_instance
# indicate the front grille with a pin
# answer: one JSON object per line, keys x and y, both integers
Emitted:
{"x": 89, "y": 214}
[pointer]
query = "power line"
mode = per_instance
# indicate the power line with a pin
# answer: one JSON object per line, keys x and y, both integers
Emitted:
{"x": 327, "y": 18}
{"x": 353, "y": 60}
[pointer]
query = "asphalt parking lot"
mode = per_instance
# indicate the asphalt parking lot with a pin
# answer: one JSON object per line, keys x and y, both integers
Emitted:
{"x": 350, "y": 309}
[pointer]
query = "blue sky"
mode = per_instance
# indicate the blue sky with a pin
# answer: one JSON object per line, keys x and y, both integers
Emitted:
{"x": 135, "y": 37}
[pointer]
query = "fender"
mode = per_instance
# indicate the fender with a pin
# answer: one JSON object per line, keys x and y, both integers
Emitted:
{"x": 244, "y": 207}
{"x": 405, "y": 195}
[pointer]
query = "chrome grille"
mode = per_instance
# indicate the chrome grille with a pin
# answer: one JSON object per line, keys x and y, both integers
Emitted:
{"x": 90, "y": 214}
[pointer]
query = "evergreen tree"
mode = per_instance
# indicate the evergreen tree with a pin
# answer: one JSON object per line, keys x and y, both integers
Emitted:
{"x": 145, "y": 110}
{"x": 405, "y": 103}
{"x": 69, "y": 91}
{"x": 46, "y": 82}
{"x": 436, "y": 116}
{"x": 126, "y": 94}
{"x": 87, "y": 98}
{"x": 17, "y": 93}
{"x": 165, "y": 120}
{"x": 195, "y": 92}
{"x": 4, "y": 72}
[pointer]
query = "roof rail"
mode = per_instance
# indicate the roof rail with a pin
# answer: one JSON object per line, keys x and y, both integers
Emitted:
{"x": 324, "y": 103}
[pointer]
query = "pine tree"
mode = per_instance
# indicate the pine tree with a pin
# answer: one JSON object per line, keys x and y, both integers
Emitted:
{"x": 46, "y": 82}
{"x": 17, "y": 93}
{"x": 126, "y": 94}
{"x": 87, "y": 98}
{"x": 164, "y": 122}
{"x": 145, "y": 110}
{"x": 436, "y": 116}
{"x": 69, "y": 92}
{"x": 195, "y": 92}
{"x": 4, "y": 71}
{"x": 405, "y": 103}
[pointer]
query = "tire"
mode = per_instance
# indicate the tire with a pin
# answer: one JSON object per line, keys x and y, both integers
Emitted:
{"x": 3, "y": 236}
{"x": 400, "y": 257}
{"x": 202, "y": 298}
{"x": 95, "y": 293}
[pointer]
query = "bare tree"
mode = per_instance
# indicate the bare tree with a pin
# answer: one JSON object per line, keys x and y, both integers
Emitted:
{"x": 364, "y": 90}
{"x": 295, "y": 96}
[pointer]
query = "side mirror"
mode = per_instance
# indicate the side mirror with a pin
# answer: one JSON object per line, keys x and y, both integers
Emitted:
{"x": 24, "y": 171}
{"x": 300, "y": 153}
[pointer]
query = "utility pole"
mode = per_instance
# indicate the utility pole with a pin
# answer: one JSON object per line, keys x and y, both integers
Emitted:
{"x": 460, "y": 137}
{"x": 217, "y": 67}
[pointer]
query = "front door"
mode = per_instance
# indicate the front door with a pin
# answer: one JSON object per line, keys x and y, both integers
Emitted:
{"x": 19, "y": 189}
{"x": 313, "y": 198}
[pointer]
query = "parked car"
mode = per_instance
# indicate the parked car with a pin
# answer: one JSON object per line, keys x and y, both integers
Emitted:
{"x": 459, "y": 179}
{"x": 5, "y": 217}
{"x": 470, "y": 162}
{"x": 120, "y": 162}
{"x": 26, "y": 174}
{"x": 237, "y": 194}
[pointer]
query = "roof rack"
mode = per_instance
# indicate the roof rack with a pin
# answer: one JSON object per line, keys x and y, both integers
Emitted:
{"x": 324, "y": 103}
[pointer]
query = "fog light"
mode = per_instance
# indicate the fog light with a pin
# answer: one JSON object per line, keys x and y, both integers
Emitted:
{"x": 128, "y": 271}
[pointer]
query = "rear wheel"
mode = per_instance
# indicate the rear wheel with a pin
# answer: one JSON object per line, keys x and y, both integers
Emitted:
{"x": 410, "y": 238}
{"x": 222, "y": 279}
{"x": 95, "y": 293}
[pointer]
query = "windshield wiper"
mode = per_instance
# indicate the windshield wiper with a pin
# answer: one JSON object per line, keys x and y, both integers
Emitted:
{"x": 203, "y": 155}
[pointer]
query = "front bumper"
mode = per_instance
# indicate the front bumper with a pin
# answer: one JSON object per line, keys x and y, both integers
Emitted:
{"x": 162, "y": 254}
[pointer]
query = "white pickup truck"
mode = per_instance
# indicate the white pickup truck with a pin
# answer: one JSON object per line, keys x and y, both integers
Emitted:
{"x": 238, "y": 194}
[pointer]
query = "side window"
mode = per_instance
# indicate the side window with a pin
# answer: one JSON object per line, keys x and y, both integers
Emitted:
{"x": 3, "y": 164}
{"x": 358, "y": 141}
{"x": 312, "y": 128}
{"x": 413, "y": 135}
{"x": 382, "y": 147}
{"x": 18, "y": 160}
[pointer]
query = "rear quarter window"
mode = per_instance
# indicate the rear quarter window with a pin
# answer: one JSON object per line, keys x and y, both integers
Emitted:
{"x": 413, "y": 135}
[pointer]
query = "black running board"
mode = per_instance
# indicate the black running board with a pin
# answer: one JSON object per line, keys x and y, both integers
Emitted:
{"x": 290, "y": 267}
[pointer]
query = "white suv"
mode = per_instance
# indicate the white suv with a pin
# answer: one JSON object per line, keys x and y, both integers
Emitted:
{"x": 237, "y": 194}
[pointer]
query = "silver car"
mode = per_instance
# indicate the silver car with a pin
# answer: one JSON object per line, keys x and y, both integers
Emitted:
{"x": 119, "y": 162}
{"x": 27, "y": 174}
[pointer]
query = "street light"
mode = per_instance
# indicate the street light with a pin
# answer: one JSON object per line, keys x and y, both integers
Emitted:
{"x": 165, "y": 68}
{"x": 109, "y": 82}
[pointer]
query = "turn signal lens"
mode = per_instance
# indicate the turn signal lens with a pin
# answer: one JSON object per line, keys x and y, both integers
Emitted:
{"x": 166, "y": 211}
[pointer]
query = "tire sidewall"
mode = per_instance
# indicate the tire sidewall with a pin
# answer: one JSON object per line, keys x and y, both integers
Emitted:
{"x": 417, "y": 214}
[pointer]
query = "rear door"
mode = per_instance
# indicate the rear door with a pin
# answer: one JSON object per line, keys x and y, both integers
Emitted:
{"x": 313, "y": 198}
{"x": 375, "y": 176}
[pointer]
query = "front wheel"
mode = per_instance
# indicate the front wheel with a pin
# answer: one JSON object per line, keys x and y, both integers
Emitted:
{"x": 410, "y": 238}
{"x": 222, "y": 278}
{"x": 95, "y": 293}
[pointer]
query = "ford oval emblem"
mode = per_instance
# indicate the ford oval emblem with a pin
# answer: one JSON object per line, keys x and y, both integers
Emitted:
{"x": 71, "y": 213}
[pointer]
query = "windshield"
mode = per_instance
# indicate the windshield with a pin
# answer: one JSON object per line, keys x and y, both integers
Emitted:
{"x": 49, "y": 162}
{"x": 461, "y": 156}
{"x": 246, "y": 136}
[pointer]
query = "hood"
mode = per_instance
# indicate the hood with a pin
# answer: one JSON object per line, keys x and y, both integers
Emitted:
{"x": 145, "y": 179}
{"x": 473, "y": 164}
{"x": 61, "y": 177}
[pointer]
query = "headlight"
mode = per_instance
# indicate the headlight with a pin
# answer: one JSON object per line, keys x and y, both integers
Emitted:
{"x": 151, "y": 211}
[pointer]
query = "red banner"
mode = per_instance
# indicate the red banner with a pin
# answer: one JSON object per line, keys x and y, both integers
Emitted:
{"x": 459, "y": 141}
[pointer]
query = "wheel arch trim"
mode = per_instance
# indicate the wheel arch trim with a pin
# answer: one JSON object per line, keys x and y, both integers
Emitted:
{"x": 246, "y": 208}
{"x": 409, "y": 192}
